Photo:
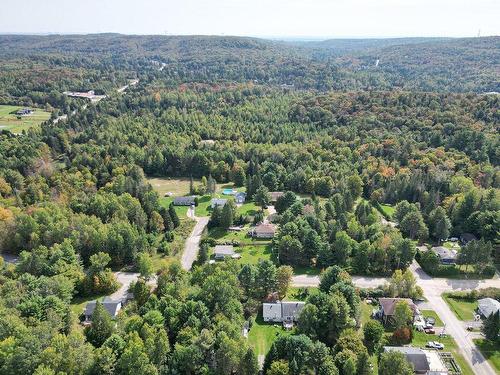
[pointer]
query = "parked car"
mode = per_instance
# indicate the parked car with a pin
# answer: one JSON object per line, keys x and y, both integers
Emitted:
{"x": 434, "y": 345}
{"x": 430, "y": 321}
{"x": 430, "y": 331}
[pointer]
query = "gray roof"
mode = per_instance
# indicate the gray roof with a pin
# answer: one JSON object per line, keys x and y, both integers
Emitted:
{"x": 240, "y": 194}
{"x": 275, "y": 195}
{"x": 292, "y": 308}
{"x": 271, "y": 310}
{"x": 219, "y": 201}
{"x": 444, "y": 252}
{"x": 184, "y": 200}
{"x": 488, "y": 306}
{"x": 265, "y": 228}
{"x": 415, "y": 356}
{"x": 224, "y": 250}
{"x": 112, "y": 306}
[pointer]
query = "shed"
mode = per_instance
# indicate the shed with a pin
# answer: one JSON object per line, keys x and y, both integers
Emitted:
{"x": 488, "y": 306}
{"x": 275, "y": 195}
{"x": 465, "y": 238}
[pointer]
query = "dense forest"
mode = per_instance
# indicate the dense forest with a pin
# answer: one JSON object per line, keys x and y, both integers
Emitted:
{"x": 319, "y": 121}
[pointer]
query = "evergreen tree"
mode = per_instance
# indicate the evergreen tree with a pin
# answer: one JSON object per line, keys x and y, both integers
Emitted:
{"x": 491, "y": 327}
{"x": 102, "y": 326}
{"x": 227, "y": 215}
{"x": 173, "y": 215}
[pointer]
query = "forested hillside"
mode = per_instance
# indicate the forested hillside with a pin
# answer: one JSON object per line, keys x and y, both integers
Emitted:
{"x": 367, "y": 162}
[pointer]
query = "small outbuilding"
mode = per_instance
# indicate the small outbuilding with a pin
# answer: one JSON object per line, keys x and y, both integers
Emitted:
{"x": 488, "y": 306}
{"x": 275, "y": 195}
{"x": 465, "y": 238}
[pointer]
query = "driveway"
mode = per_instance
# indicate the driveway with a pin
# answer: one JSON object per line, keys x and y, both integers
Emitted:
{"x": 125, "y": 279}
{"x": 193, "y": 241}
{"x": 359, "y": 281}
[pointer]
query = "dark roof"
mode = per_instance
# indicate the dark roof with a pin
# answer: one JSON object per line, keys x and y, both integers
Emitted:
{"x": 184, "y": 200}
{"x": 415, "y": 356}
{"x": 292, "y": 308}
{"x": 467, "y": 237}
{"x": 389, "y": 305}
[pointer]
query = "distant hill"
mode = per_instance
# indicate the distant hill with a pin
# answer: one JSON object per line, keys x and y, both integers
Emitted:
{"x": 420, "y": 64}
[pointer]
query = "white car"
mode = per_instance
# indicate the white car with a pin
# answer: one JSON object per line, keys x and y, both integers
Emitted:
{"x": 435, "y": 345}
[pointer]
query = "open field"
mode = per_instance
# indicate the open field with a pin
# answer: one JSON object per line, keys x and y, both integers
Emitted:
{"x": 10, "y": 121}
{"x": 462, "y": 308}
{"x": 491, "y": 352}
{"x": 253, "y": 254}
{"x": 177, "y": 186}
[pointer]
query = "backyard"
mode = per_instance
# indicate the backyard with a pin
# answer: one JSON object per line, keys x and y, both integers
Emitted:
{"x": 262, "y": 335}
{"x": 10, "y": 121}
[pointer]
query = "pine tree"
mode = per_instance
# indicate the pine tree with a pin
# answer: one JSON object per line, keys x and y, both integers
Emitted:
{"x": 102, "y": 326}
{"x": 491, "y": 327}
{"x": 227, "y": 216}
{"x": 173, "y": 215}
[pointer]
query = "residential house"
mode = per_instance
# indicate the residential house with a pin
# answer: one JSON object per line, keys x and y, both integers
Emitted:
{"x": 447, "y": 256}
{"x": 263, "y": 230}
{"x": 24, "y": 112}
{"x": 222, "y": 252}
{"x": 113, "y": 307}
{"x": 218, "y": 202}
{"x": 275, "y": 195}
{"x": 388, "y": 307}
{"x": 427, "y": 362}
{"x": 465, "y": 238}
{"x": 240, "y": 197}
{"x": 487, "y": 306}
{"x": 184, "y": 201}
{"x": 285, "y": 312}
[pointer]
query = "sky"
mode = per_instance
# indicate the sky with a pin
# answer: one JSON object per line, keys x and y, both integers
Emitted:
{"x": 261, "y": 18}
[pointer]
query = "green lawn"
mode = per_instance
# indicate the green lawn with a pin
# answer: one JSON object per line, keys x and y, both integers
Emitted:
{"x": 300, "y": 294}
{"x": 249, "y": 208}
{"x": 387, "y": 209}
{"x": 432, "y": 314}
{"x": 491, "y": 352}
{"x": 203, "y": 208}
{"x": 462, "y": 308}
{"x": 181, "y": 210}
{"x": 303, "y": 270}
{"x": 10, "y": 121}
{"x": 262, "y": 335}
{"x": 254, "y": 253}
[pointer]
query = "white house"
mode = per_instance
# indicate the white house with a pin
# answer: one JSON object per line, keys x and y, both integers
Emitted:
{"x": 286, "y": 311}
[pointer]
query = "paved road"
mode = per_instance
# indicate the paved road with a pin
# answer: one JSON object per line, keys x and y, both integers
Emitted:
{"x": 193, "y": 241}
{"x": 360, "y": 281}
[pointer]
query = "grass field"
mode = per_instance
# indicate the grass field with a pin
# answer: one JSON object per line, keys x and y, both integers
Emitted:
{"x": 254, "y": 253}
{"x": 10, "y": 121}
{"x": 491, "y": 352}
{"x": 299, "y": 294}
{"x": 463, "y": 309}
{"x": 177, "y": 186}
{"x": 262, "y": 335}
{"x": 432, "y": 314}
{"x": 387, "y": 209}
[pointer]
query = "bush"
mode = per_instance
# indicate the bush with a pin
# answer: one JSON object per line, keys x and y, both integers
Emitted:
{"x": 402, "y": 336}
{"x": 489, "y": 271}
